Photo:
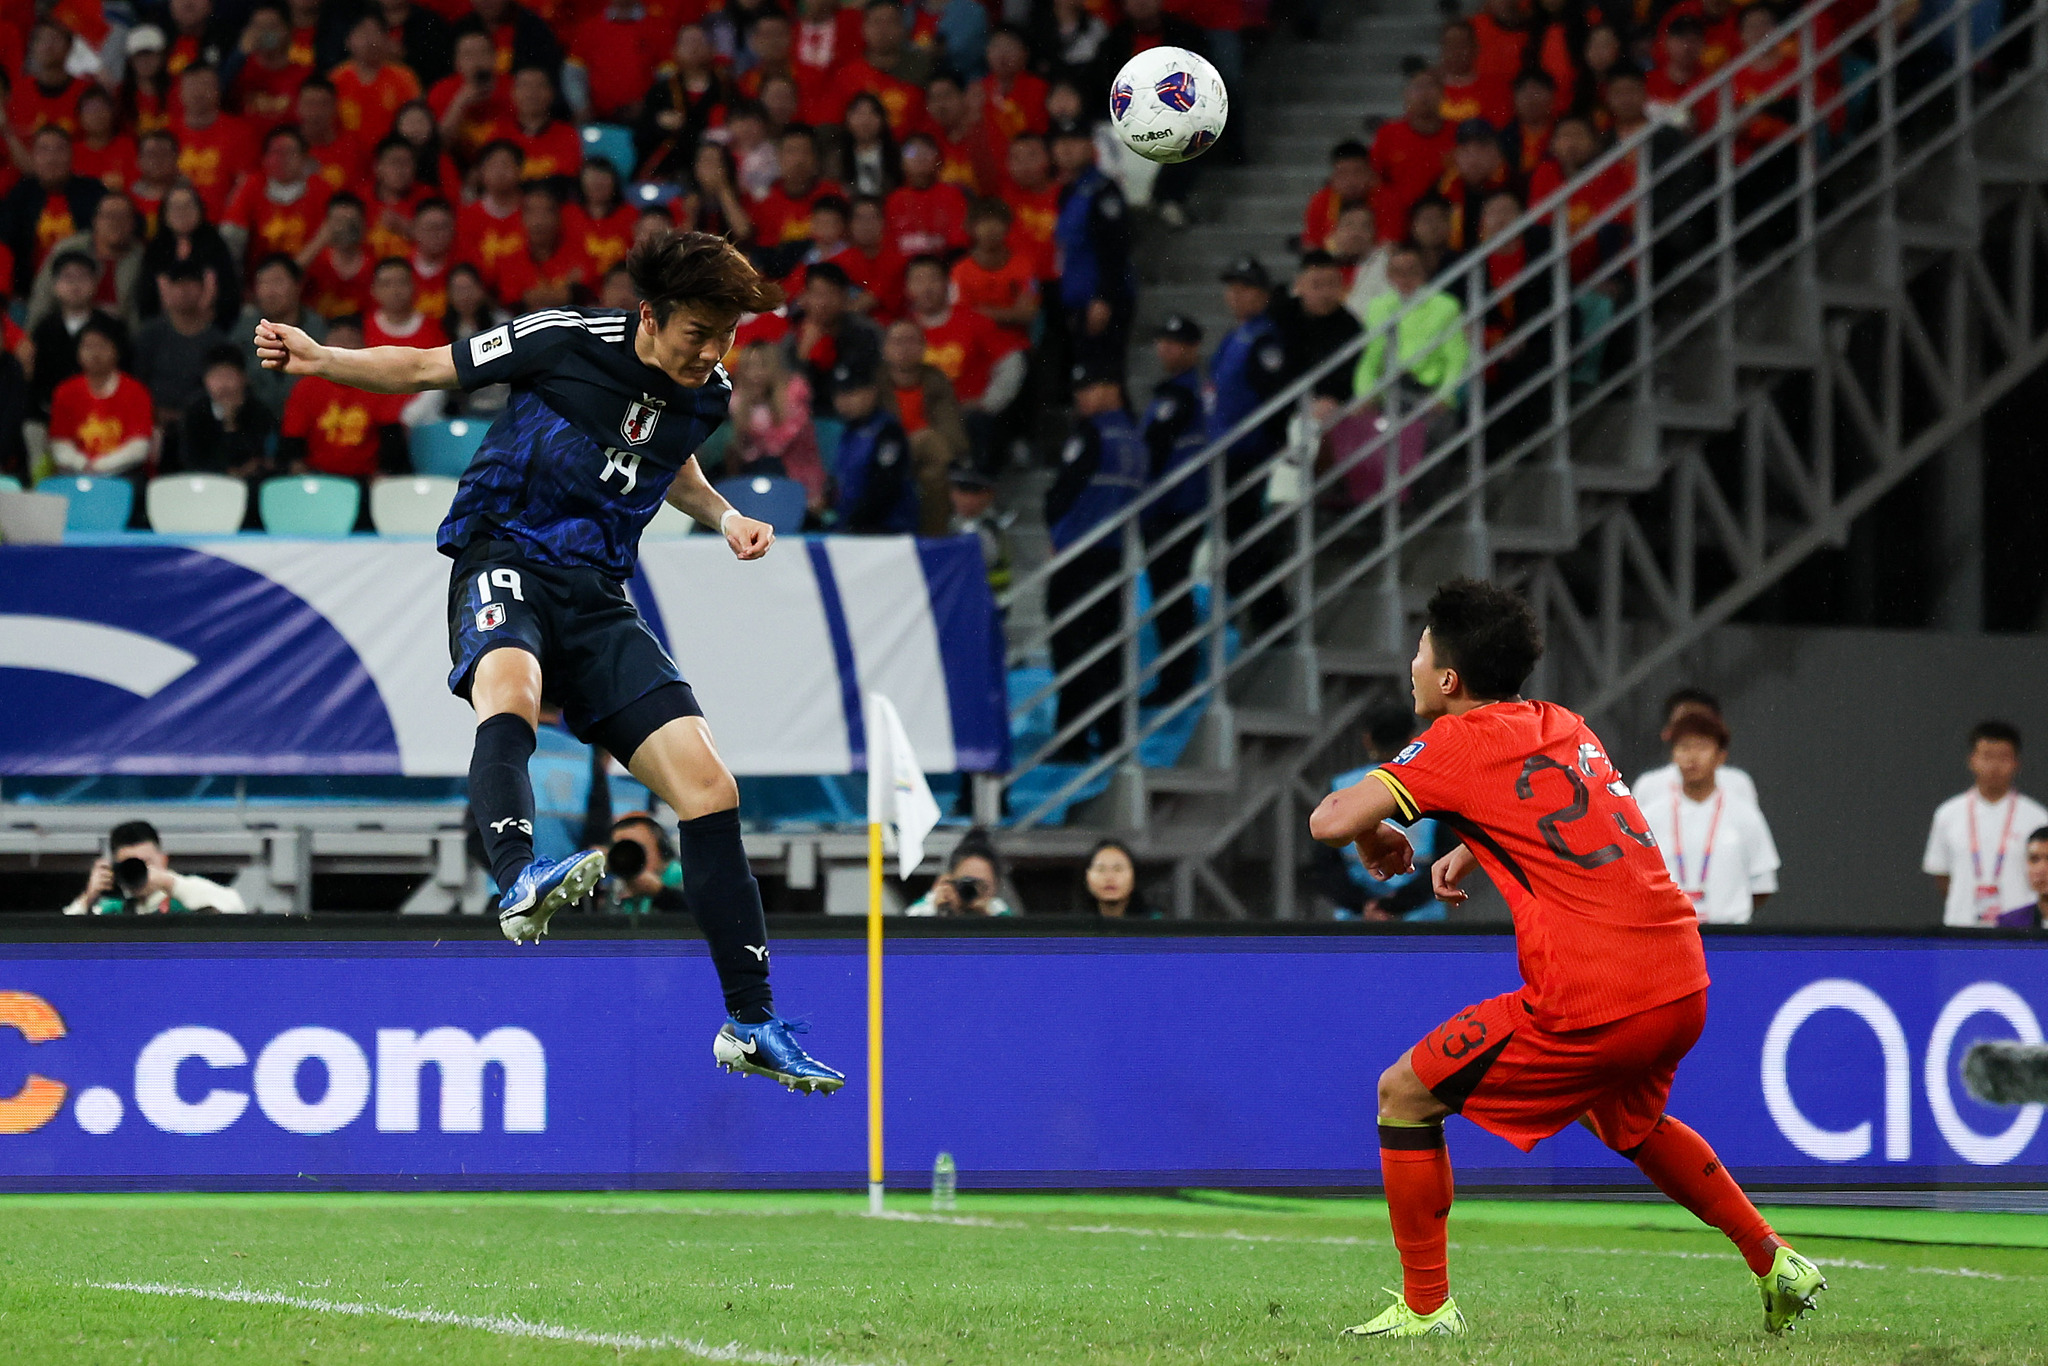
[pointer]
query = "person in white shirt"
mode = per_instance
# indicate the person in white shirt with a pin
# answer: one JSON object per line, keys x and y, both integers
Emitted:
{"x": 135, "y": 878}
{"x": 1658, "y": 783}
{"x": 1715, "y": 842}
{"x": 1976, "y": 847}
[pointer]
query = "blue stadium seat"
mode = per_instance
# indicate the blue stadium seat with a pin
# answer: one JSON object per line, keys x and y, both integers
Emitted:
{"x": 614, "y": 144}
{"x": 96, "y": 504}
{"x": 309, "y": 505}
{"x": 9, "y": 484}
{"x": 446, "y": 448}
{"x": 765, "y": 498}
{"x": 830, "y": 430}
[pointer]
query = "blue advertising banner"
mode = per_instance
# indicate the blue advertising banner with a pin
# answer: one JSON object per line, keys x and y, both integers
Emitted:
{"x": 264, "y": 654}
{"x": 1035, "y": 1061}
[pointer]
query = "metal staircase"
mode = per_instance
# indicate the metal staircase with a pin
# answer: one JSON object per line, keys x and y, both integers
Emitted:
{"x": 1796, "y": 330}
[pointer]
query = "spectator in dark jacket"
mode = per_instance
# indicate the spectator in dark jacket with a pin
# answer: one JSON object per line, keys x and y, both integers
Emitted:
{"x": 49, "y": 205}
{"x": 228, "y": 431}
{"x": 75, "y": 280}
{"x": 171, "y": 349}
{"x": 1313, "y": 324}
{"x": 828, "y": 332}
{"x": 533, "y": 42}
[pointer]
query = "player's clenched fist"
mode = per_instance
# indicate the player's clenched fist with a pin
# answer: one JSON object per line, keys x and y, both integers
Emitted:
{"x": 748, "y": 538}
{"x": 280, "y": 346}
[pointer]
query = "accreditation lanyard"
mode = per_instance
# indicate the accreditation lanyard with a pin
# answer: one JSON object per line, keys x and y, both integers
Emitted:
{"x": 1990, "y": 886}
{"x": 1706, "y": 855}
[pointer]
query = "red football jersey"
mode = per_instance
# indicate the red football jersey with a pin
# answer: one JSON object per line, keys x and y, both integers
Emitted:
{"x": 369, "y": 105}
{"x": 603, "y": 241}
{"x": 966, "y": 346}
{"x": 926, "y": 222}
{"x": 556, "y": 150}
{"x": 112, "y": 165}
{"x": 332, "y": 294}
{"x": 275, "y": 227}
{"x": 1601, "y": 930}
{"x": 1408, "y": 165}
{"x": 214, "y": 159}
{"x": 340, "y": 426}
{"x": 782, "y": 217}
{"x": 486, "y": 239}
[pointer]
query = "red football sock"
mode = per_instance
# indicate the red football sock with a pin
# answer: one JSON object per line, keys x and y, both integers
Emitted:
{"x": 1684, "y": 1167}
{"x": 1416, "y": 1168}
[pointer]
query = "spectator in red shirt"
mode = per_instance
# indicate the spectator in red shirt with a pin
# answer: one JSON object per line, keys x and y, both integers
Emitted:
{"x": 101, "y": 151}
{"x": 888, "y": 69}
{"x": 50, "y": 204}
{"x": 831, "y": 218}
{"x": 926, "y": 216}
{"x": 1572, "y": 148}
{"x": 1673, "y": 88}
{"x": 391, "y": 198}
{"x": 214, "y": 148}
{"x": 987, "y": 368}
{"x": 1720, "y": 24}
{"x": 769, "y": 44}
{"x": 1763, "y": 112}
{"x": 115, "y": 248}
{"x": 828, "y": 35}
{"x": 1603, "y": 52}
{"x": 369, "y": 86}
{"x": 784, "y": 215}
{"x": 489, "y": 228}
{"x": 265, "y": 84}
{"x": 337, "y": 268}
{"x": 1034, "y": 199}
{"x": 966, "y": 156}
{"x": 871, "y": 264}
{"x": 329, "y": 428}
{"x": 282, "y": 208}
{"x": 1502, "y": 33}
{"x": 1409, "y": 153}
{"x": 433, "y": 254}
{"x": 618, "y": 49}
{"x": 1467, "y": 93}
{"x": 1525, "y": 142}
{"x": 994, "y": 280}
{"x": 600, "y": 222}
{"x": 472, "y": 99}
{"x": 552, "y": 271}
{"x": 146, "y": 85}
{"x": 45, "y": 93}
{"x": 551, "y": 147}
{"x": 828, "y": 332}
{"x": 1350, "y": 182}
{"x": 1012, "y": 100}
{"x": 102, "y": 421}
{"x": 341, "y": 159}
{"x": 1477, "y": 174}
{"x": 398, "y": 319}
{"x": 691, "y": 98}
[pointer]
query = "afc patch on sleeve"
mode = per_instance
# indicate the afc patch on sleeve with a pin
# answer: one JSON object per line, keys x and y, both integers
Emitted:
{"x": 485, "y": 346}
{"x": 1413, "y": 748}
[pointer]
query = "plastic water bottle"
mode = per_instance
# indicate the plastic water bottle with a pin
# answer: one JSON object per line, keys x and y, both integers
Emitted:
{"x": 945, "y": 1179}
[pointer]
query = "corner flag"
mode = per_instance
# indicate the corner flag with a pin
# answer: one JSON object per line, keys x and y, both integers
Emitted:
{"x": 900, "y": 801}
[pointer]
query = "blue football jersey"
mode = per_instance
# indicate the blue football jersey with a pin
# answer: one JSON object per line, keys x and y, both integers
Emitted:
{"x": 579, "y": 461}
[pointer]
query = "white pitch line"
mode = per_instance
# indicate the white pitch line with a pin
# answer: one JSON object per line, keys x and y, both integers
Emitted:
{"x": 504, "y": 1325}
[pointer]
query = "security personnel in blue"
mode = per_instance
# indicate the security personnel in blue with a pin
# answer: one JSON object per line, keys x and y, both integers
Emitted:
{"x": 1103, "y": 468}
{"x": 607, "y": 412}
{"x": 877, "y": 486}
{"x": 1249, "y": 367}
{"x": 1341, "y": 874}
{"x": 1098, "y": 284}
{"x": 1176, "y": 431}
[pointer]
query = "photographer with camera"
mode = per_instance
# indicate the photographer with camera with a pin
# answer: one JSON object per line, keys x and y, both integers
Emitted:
{"x": 970, "y": 884}
{"x": 645, "y": 877}
{"x": 135, "y": 878}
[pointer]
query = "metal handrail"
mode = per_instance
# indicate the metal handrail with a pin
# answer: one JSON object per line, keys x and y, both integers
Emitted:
{"x": 1633, "y": 264}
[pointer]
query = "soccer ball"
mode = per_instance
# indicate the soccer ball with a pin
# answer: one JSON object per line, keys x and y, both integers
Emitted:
{"x": 1168, "y": 104}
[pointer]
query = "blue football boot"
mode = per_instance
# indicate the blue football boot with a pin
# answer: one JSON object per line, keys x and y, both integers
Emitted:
{"x": 767, "y": 1049}
{"x": 544, "y": 888}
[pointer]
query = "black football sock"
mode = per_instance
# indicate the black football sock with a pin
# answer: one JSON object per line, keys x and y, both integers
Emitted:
{"x": 722, "y": 893}
{"x": 501, "y": 794}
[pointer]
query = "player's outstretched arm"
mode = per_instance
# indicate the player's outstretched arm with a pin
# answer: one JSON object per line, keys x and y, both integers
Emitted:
{"x": 692, "y": 493}
{"x": 377, "y": 369}
{"x": 1359, "y": 814}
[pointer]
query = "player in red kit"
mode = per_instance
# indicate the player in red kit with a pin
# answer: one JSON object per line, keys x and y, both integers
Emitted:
{"x": 1614, "y": 974}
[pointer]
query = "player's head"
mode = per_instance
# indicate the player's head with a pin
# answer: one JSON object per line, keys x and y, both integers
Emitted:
{"x": 2037, "y": 862}
{"x": 1699, "y": 744}
{"x": 1994, "y": 757}
{"x": 693, "y": 288}
{"x": 1479, "y": 642}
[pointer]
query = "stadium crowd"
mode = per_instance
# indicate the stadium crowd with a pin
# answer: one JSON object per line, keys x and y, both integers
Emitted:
{"x": 921, "y": 177}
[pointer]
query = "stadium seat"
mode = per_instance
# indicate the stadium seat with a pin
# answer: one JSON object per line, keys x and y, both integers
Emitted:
{"x": 309, "y": 505}
{"x": 778, "y": 502}
{"x": 446, "y": 448}
{"x": 196, "y": 504}
{"x": 96, "y": 504}
{"x": 613, "y": 143}
{"x": 9, "y": 484}
{"x": 829, "y": 431}
{"x": 411, "y": 505}
{"x": 669, "y": 524}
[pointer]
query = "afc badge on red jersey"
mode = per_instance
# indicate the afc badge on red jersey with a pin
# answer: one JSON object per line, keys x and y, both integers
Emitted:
{"x": 638, "y": 423}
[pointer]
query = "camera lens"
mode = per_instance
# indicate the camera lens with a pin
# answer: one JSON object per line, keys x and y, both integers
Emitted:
{"x": 970, "y": 889}
{"x": 627, "y": 859}
{"x": 131, "y": 875}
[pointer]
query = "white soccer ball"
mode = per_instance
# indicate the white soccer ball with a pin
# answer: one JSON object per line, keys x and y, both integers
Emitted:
{"x": 1168, "y": 104}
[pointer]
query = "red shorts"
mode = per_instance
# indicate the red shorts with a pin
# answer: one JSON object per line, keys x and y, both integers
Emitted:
{"x": 1492, "y": 1064}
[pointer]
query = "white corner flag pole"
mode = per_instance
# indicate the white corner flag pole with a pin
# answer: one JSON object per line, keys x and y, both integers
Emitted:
{"x": 898, "y": 798}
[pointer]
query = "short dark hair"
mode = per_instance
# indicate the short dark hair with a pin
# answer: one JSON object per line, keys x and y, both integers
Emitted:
{"x": 1692, "y": 697}
{"x": 353, "y": 321}
{"x": 991, "y": 208}
{"x": 937, "y": 263}
{"x": 397, "y": 262}
{"x": 1536, "y": 75}
{"x": 227, "y": 353}
{"x": 2001, "y": 732}
{"x": 646, "y": 822}
{"x": 797, "y": 130}
{"x": 107, "y": 329}
{"x": 686, "y": 268}
{"x": 1351, "y": 149}
{"x": 1487, "y": 633}
{"x": 827, "y": 273}
{"x": 432, "y": 201}
{"x": 497, "y": 145}
{"x": 282, "y": 260}
{"x": 832, "y": 203}
{"x": 1708, "y": 725}
{"x": 2039, "y": 836}
{"x": 1312, "y": 260}
{"x": 345, "y": 199}
{"x": 133, "y": 832}
{"x": 285, "y": 130}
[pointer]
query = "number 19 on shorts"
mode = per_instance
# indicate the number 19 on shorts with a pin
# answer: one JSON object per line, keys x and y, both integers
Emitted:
{"x": 490, "y": 612}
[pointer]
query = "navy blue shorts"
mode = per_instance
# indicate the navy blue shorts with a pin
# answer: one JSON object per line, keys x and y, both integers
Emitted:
{"x": 598, "y": 661}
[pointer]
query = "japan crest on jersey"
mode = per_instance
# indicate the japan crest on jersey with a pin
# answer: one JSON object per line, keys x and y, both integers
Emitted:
{"x": 638, "y": 423}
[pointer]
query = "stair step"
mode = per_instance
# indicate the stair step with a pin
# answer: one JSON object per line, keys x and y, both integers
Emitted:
{"x": 1936, "y": 236}
{"x": 1272, "y": 723}
{"x": 1857, "y": 294}
{"x": 1776, "y": 356}
{"x": 1350, "y": 662}
{"x": 1192, "y": 782}
{"x": 2000, "y": 170}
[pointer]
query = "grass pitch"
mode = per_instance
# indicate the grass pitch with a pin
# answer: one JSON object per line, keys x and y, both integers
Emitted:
{"x": 1053, "y": 1279}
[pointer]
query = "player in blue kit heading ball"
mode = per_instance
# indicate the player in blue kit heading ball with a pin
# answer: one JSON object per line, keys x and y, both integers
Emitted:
{"x": 608, "y": 409}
